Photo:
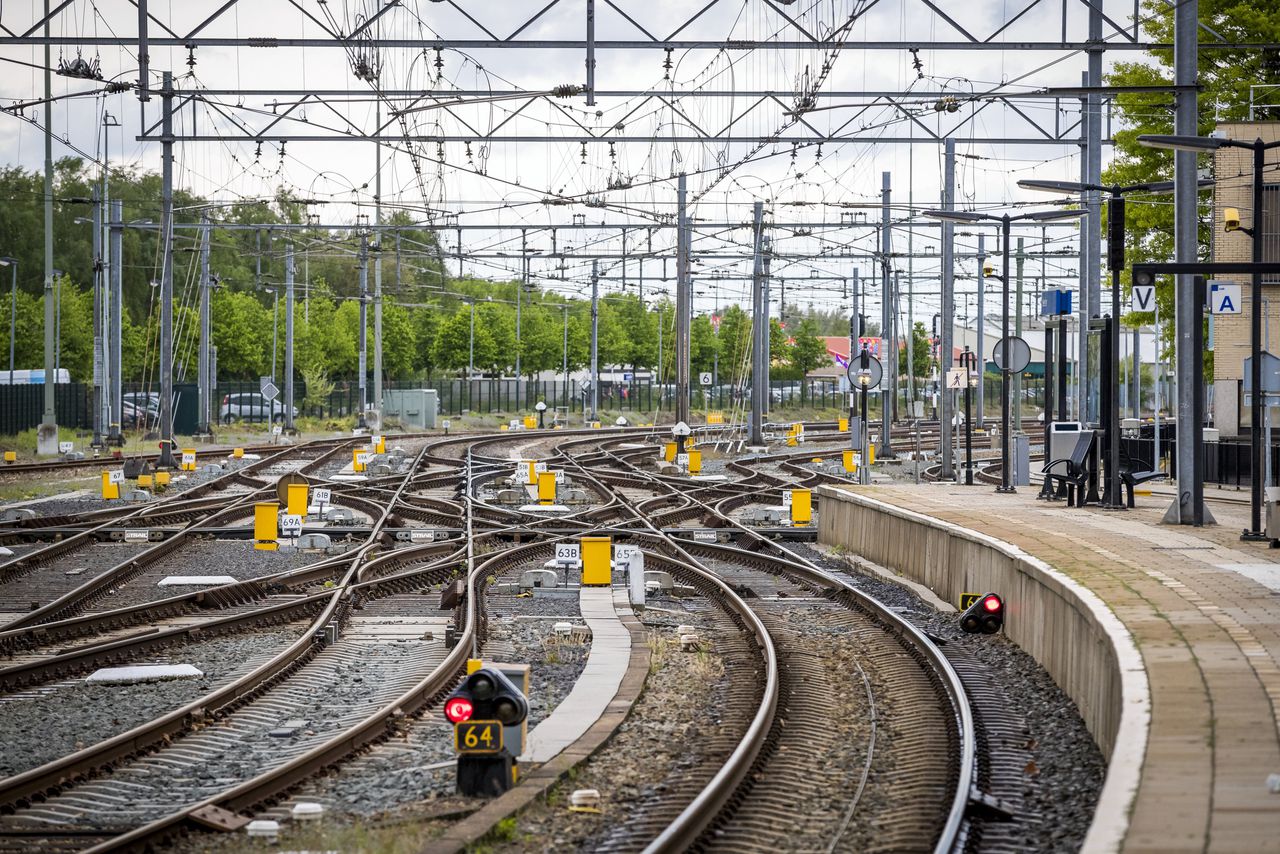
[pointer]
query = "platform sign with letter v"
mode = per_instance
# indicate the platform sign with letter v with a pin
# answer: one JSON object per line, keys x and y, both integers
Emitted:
{"x": 1143, "y": 298}
{"x": 1224, "y": 298}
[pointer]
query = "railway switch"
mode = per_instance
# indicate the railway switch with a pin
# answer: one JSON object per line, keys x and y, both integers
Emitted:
{"x": 985, "y": 615}
{"x": 487, "y": 712}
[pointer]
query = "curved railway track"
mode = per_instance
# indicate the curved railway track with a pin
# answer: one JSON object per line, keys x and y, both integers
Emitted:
{"x": 917, "y": 714}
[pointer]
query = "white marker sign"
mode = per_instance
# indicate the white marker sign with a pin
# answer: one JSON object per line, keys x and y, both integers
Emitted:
{"x": 567, "y": 551}
{"x": 1143, "y": 298}
{"x": 136, "y": 535}
{"x": 957, "y": 379}
{"x": 682, "y": 460}
{"x": 322, "y": 496}
{"x": 188, "y": 458}
{"x": 623, "y": 553}
{"x": 538, "y": 468}
{"x": 116, "y": 476}
{"x": 66, "y": 447}
{"x": 421, "y": 536}
{"x": 786, "y": 498}
{"x": 705, "y": 377}
{"x": 704, "y": 536}
{"x": 290, "y": 525}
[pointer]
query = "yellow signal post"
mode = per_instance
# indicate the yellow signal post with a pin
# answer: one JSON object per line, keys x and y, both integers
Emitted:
{"x": 266, "y": 516}
{"x": 596, "y": 552}
{"x": 801, "y": 507}
{"x": 109, "y": 489}
{"x": 297, "y": 499}
{"x": 695, "y": 461}
{"x": 669, "y": 452}
{"x": 871, "y": 454}
{"x": 546, "y": 487}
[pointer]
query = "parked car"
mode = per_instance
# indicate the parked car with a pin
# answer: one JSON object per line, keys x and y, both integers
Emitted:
{"x": 251, "y": 406}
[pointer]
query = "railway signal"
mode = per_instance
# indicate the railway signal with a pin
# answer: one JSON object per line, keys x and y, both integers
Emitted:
{"x": 482, "y": 709}
{"x": 986, "y": 615}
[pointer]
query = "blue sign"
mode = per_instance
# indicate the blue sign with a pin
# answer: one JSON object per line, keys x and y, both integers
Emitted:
{"x": 1055, "y": 302}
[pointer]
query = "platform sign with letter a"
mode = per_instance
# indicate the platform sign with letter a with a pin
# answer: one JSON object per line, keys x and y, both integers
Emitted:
{"x": 1224, "y": 298}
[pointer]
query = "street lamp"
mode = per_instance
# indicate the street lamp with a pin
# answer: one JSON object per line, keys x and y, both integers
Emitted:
{"x": 1115, "y": 262}
{"x": 1005, "y": 220}
{"x": 1200, "y": 144}
{"x": 8, "y": 261}
{"x": 541, "y": 407}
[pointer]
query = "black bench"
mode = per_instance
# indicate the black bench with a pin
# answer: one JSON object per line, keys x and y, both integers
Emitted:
{"x": 1076, "y": 474}
{"x": 1134, "y": 472}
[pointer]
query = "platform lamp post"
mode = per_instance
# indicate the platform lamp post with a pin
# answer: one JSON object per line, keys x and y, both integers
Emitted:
{"x": 1115, "y": 263}
{"x": 13, "y": 307}
{"x": 864, "y": 379}
{"x": 1005, "y": 220}
{"x": 1201, "y": 144}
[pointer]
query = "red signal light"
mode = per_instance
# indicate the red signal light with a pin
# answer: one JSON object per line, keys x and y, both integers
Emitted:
{"x": 992, "y": 603}
{"x": 458, "y": 709}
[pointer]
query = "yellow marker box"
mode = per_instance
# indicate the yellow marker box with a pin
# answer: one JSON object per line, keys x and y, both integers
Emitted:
{"x": 109, "y": 489}
{"x": 715, "y": 418}
{"x": 358, "y": 458}
{"x": 161, "y": 478}
{"x": 849, "y": 465}
{"x": 298, "y": 499}
{"x": 801, "y": 507}
{"x": 695, "y": 461}
{"x": 842, "y": 425}
{"x": 189, "y": 466}
{"x": 237, "y": 453}
{"x": 474, "y": 664}
{"x": 530, "y": 422}
{"x": 531, "y": 478}
{"x": 11, "y": 457}
{"x": 144, "y": 480}
{"x": 871, "y": 455}
{"x": 596, "y": 569}
{"x": 266, "y": 516}
{"x": 669, "y": 451}
{"x": 546, "y": 487}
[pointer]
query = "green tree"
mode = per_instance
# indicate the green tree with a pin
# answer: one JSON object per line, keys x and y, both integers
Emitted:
{"x": 919, "y": 353}
{"x": 808, "y": 352}
{"x": 242, "y": 334}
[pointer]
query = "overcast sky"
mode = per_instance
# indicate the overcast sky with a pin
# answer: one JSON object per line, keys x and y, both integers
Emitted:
{"x": 504, "y": 184}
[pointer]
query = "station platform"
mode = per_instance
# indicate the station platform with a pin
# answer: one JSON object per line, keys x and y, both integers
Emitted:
{"x": 1202, "y": 609}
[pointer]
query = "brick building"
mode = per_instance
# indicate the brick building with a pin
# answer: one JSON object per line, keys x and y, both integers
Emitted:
{"x": 1233, "y": 173}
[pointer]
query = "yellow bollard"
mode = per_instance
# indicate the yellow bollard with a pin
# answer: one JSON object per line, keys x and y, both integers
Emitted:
{"x": 531, "y": 422}
{"x": 379, "y": 444}
{"x": 474, "y": 664}
{"x": 595, "y": 561}
{"x": 695, "y": 461}
{"x": 144, "y": 481}
{"x": 109, "y": 489}
{"x": 842, "y": 425}
{"x": 546, "y": 487}
{"x": 847, "y": 458}
{"x": 595, "y": 425}
{"x": 801, "y": 507}
{"x": 10, "y": 457}
{"x": 791, "y": 440}
{"x": 237, "y": 453}
{"x": 669, "y": 452}
{"x": 265, "y": 525}
{"x": 871, "y": 455}
{"x": 298, "y": 499}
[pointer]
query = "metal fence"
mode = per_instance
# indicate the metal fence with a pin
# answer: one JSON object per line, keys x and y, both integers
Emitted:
{"x": 22, "y": 406}
{"x": 1226, "y": 464}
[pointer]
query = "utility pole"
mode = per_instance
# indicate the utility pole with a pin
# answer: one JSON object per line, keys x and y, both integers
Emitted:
{"x": 766, "y": 251}
{"x": 1093, "y": 197}
{"x": 759, "y": 327}
{"x": 377, "y": 270}
{"x": 99, "y": 360}
{"x": 288, "y": 337}
{"x": 364, "y": 332}
{"x": 203, "y": 421}
{"x": 116, "y": 312}
{"x": 524, "y": 283}
{"x": 684, "y": 304}
{"x": 856, "y": 428}
{"x": 1020, "y": 259}
{"x": 948, "y": 301}
{"x": 595, "y": 339}
{"x": 166, "y": 460}
{"x": 889, "y": 371}
{"x": 1187, "y": 311}
{"x": 982, "y": 330}
{"x": 47, "y": 435}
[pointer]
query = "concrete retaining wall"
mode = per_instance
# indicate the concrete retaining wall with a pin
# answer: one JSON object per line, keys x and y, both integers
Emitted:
{"x": 1060, "y": 623}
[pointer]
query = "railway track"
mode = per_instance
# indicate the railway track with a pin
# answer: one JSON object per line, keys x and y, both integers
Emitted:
{"x": 787, "y": 629}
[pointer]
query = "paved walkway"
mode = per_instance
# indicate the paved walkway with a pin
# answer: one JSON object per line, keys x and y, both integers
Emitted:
{"x": 1204, "y": 609}
{"x": 591, "y": 694}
